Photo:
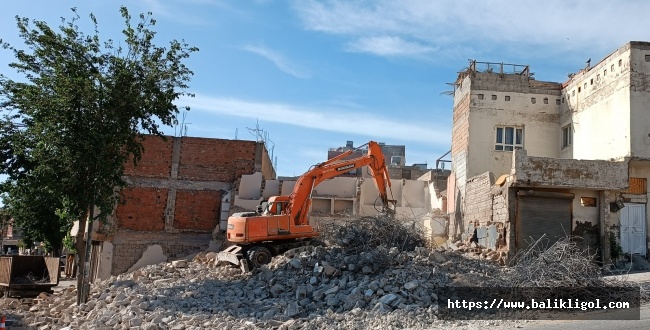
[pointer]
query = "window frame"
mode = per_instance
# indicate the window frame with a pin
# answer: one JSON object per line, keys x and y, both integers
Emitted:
{"x": 501, "y": 142}
{"x": 567, "y": 136}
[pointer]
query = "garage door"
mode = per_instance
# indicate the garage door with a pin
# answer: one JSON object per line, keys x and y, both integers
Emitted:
{"x": 542, "y": 213}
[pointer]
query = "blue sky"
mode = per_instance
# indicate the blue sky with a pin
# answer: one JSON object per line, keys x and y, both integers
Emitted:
{"x": 315, "y": 74}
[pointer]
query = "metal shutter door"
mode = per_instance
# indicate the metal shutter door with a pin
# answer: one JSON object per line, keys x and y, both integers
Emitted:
{"x": 540, "y": 213}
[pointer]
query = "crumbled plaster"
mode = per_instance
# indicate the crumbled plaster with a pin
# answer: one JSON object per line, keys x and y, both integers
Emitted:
{"x": 151, "y": 256}
{"x": 570, "y": 173}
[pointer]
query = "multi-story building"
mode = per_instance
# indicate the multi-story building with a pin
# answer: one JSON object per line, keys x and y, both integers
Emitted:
{"x": 572, "y": 158}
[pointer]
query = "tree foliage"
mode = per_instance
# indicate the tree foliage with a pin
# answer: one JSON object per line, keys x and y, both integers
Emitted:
{"x": 78, "y": 114}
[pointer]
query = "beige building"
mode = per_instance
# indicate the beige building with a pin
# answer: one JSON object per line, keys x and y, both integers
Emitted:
{"x": 585, "y": 146}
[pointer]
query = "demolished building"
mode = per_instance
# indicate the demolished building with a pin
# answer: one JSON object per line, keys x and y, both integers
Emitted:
{"x": 532, "y": 157}
{"x": 174, "y": 200}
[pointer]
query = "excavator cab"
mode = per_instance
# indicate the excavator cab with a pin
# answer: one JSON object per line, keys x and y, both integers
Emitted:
{"x": 282, "y": 222}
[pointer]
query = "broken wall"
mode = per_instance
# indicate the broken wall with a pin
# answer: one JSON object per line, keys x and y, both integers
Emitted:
{"x": 173, "y": 197}
{"x": 129, "y": 246}
{"x": 486, "y": 212}
{"x": 568, "y": 173}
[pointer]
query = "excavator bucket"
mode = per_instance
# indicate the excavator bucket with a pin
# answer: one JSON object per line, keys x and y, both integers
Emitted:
{"x": 234, "y": 255}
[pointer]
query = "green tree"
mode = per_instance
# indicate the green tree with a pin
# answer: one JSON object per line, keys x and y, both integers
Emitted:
{"x": 35, "y": 210}
{"x": 79, "y": 113}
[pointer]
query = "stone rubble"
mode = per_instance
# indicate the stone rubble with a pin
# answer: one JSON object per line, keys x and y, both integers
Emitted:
{"x": 311, "y": 287}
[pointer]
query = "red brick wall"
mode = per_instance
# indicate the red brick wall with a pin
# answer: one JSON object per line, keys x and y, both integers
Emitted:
{"x": 216, "y": 159}
{"x": 156, "y": 159}
{"x": 196, "y": 209}
{"x": 144, "y": 209}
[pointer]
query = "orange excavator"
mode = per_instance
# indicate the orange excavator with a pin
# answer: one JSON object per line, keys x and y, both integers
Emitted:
{"x": 281, "y": 223}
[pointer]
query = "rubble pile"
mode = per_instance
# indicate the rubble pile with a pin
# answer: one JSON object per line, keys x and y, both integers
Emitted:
{"x": 310, "y": 287}
{"x": 361, "y": 236}
{"x": 475, "y": 251}
{"x": 315, "y": 287}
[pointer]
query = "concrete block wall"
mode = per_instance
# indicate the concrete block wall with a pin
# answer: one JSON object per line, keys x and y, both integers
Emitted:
{"x": 128, "y": 246}
{"x": 478, "y": 200}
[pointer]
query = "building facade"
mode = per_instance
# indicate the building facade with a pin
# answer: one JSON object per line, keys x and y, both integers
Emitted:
{"x": 522, "y": 147}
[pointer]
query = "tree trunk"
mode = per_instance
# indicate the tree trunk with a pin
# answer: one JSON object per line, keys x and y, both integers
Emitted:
{"x": 80, "y": 245}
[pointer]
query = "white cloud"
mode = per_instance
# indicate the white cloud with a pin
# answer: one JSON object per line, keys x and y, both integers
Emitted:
{"x": 324, "y": 119}
{"x": 389, "y": 46}
{"x": 557, "y": 25}
{"x": 278, "y": 60}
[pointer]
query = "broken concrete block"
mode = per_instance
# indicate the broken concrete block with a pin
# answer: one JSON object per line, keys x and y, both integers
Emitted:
{"x": 382, "y": 308}
{"x": 295, "y": 263}
{"x": 389, "y": 298}
{"x": 179, "y": 263}
{"x": 276, "y": 290}
{"x": 301, "y": 292}
{"x": 329, "y": 270}
{"x": 411, "y": 285}
{"x": 452, "y": 246}
{"x": 292, "y": 309}
{"x": 437, "y": 257}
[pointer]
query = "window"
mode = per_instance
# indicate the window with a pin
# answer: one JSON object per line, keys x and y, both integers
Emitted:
{"x": 605, "y": 72}
{"x": 620, "y": 62}
{"x": 598, "y": 77}
{"x": 481, "y": 96}
{"x": 588, "y": 201}
{"x": 567, "y": 136}
{"x": 494, "y": 97}
{"x": 579, "y": 89}
{"x": 612, "y": 68}
{"x": 557, "y": 101}
{"x": 508, "y": 138}
{"x": 647, "y": 58}
{"x": 533, "y": 100}
{"x": 585, "y": 87}
{"x": 507, "y": 98}
{"x": 546, "y": 100}
{"x": 591, "y": 81}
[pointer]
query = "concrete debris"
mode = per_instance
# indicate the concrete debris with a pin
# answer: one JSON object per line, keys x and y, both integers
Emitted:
{"x": 310, "y": 287}
{"x": 323, "y": 293}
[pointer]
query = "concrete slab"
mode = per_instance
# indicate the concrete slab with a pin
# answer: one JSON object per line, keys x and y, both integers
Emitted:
{"x": 271, "y": 188}
{"x": 151, "y": 256}
{"x": 250, "y": 186}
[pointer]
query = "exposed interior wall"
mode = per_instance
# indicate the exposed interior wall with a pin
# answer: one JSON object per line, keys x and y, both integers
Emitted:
{"x": 264, "y": 162}
{"x": 586, "y": 218}
{"x": 106, "y": 261}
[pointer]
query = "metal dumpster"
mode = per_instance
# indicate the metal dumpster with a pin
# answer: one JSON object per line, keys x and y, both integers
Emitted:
{"x": 26, "y": 276}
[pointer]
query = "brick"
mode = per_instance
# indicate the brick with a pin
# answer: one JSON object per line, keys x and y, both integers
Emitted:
{"x": 198, "y": 210}
{"x": 143, "y": 208}
{"x": 156, "y": 159}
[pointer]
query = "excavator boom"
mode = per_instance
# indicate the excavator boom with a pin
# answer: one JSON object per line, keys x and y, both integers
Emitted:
{"x": 283, "y": 222}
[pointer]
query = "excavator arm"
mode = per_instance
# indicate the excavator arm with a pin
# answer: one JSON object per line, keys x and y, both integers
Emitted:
{"x": 300, "y": 198}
